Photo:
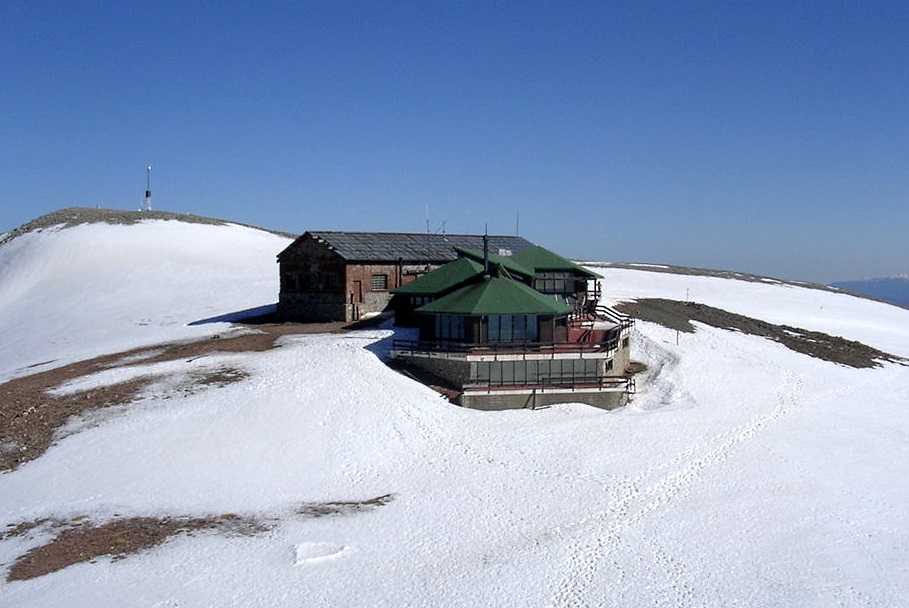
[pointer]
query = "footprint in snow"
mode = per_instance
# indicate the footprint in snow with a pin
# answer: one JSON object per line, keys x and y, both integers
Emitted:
{"x": 309, "y": 553}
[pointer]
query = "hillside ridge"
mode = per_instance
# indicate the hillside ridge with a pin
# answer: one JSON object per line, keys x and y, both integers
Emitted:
{"x": 75, "y": 216}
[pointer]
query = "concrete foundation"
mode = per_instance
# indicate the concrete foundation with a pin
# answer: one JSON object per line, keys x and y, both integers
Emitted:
{"x": 493, "y": 401}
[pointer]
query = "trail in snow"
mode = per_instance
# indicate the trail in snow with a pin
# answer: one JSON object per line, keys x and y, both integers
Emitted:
{"x": 595, "y": 538}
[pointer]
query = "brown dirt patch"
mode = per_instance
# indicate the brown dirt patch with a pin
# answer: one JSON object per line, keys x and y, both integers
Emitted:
{"x": 29, "y": 415}
{"x": 80, "y": 540}
{"x": 678, "y": 315}
{"x": 83, "y": 541}
{"x": 321, "y": 509}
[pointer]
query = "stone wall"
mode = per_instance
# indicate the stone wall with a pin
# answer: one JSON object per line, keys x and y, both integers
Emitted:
{"x": 456, "y": 371}
{"x": 498, "y": 401}
{"x": 311, "y": 307}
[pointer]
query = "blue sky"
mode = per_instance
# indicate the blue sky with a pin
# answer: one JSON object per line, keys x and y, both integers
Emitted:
{"x": 766, "y": 137}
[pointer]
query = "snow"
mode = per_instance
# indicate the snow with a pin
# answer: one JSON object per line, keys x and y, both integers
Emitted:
{"x": 76, "y": 293}
{"x": 742, "y": 473}
{"x": 875, "y": 323}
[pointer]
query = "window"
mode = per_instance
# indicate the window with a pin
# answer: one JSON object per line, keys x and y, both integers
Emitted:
{"x": 561, "y": 283}
{"x": 513, "y": 328}
{"x": 535, "y": 371}
{"x": 449, "y": 327}
{"x": 380, "y": 282}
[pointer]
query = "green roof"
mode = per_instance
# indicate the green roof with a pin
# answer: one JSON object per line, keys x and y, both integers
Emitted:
{"x": 496, "y": 296}
{"x": 507, "y": 262}
{"x": 442, "y": 278}
{"x": 541, "y": 259}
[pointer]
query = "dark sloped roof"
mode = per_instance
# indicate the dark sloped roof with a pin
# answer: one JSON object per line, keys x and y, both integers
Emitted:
{"x": 442, "y": 278}
{"x": 541, "y": 260}
{"x": 394, "y": 246}
{"x": 496, "y": 296}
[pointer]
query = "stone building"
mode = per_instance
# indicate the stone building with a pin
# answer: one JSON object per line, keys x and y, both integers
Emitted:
{"x": 342, "y": 276}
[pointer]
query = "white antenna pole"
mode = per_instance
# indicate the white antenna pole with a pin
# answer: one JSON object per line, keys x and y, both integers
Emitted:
{"x": 148, "y": 204}
{"x": 517, "y": 225}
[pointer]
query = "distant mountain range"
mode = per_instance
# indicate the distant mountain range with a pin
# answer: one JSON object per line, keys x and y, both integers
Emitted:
{"x": 890, "y": 289}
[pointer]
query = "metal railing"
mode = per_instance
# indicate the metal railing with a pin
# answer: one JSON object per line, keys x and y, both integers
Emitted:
{"x": 504, "y": 348}
{"x": 593, "y": 310}
{"x": 570, "y": 383}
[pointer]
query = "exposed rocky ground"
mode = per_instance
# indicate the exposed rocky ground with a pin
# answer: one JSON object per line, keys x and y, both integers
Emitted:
{"x": 80, "y": 539}
{"x": 30, "y": 421}
{"x": 679, "y": 315}
{"x": 29, "y": 415}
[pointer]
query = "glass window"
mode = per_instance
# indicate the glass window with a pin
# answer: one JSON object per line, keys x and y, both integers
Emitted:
{"x": 506, "y": 328}
{"x": 532, "y": 328}
{"x": 449, "y": 327}
{"x": 380, "y": 282}
{"x": 513, "y": 328}
{"x": 562, "y": 283}
{"x": 520, "y": 325}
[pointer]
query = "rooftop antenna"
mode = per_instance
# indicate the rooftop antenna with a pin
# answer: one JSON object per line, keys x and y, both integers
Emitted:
{"x": 148, "y": 206}
{"x": 517, "y": 225}
{"x": 486, "y": 253}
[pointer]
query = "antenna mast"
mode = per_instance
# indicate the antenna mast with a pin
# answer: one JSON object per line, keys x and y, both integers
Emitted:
{"x": 148, "y": 205}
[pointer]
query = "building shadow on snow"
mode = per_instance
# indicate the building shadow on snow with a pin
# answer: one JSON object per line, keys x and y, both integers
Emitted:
{"x": 258, "y": 314}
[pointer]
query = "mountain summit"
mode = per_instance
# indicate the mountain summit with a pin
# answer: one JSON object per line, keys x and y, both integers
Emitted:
{"x": 179, "y": 459}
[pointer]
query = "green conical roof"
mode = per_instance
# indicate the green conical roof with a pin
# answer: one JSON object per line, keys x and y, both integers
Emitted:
{"x": 442, "y": 278}
{"x": 496, "y": 296}
{"x": 541, "y": 259}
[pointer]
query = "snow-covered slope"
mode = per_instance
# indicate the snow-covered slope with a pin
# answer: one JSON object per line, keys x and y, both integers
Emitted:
{"x": 742, "y": 473}
{"x": 73, "y": 293}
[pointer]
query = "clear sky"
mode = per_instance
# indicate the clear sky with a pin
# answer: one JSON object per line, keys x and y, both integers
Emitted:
{"x": 767, "y": 137}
